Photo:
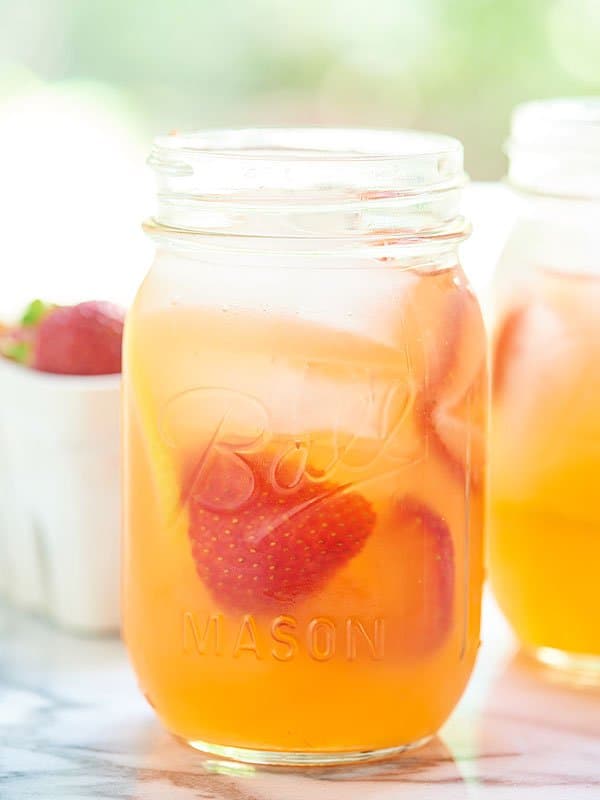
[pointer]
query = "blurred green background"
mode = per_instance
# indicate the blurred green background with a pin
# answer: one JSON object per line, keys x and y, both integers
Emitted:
{"x": 85, "y": 84}
{"x": 457, "y": 66}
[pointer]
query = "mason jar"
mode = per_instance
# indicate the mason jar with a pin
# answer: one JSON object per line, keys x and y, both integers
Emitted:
{"x": 545, "y": 518}
{"x": 305, "y": 390}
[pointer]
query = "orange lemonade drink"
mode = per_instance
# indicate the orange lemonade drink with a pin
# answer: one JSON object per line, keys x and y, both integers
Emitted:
{"x": 304, "y": 515}
{"x": 545, "y": 518}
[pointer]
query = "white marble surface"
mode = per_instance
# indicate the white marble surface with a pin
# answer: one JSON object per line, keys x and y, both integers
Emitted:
{"x": 73, "y": 726}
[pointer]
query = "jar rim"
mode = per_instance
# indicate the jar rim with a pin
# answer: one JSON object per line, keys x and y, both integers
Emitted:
{"x": 309, "y": 144}
{"x": 293, "y": 159}
{"x": 312, "y": 182}
{"x": 562, "y": 122}
{"x": 554, "y": 147}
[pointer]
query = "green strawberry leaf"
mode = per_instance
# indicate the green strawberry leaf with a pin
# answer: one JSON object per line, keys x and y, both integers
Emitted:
{"x": 35, "y": 312}
{"x": 18, "y": 351}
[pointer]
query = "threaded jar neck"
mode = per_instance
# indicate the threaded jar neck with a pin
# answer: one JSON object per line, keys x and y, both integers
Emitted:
{"x": 309, "y": 185}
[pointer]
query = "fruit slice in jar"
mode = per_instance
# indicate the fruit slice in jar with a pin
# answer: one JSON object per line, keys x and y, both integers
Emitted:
{"x": 303, "y": 374}
{"x": 419, "y": 572}
{"x": 545, "y": 423}
{"x": 429, "y": 322}
{"x": 453, "y": 405}
{"x": 533, "y": 358}
{"x": 506, "y": 347}
{"x": 427, "y": 551}
{"x": 533, "y": 351}
{"x": 159, "y": 458}
{"x": 264, "y": 537}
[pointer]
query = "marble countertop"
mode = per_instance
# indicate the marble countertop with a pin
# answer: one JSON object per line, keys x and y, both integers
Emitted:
{"x": 73, "y": 726}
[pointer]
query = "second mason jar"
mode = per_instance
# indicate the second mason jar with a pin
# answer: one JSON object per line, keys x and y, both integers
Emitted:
{"x": 304, "y": 445}
{"x": 545, "y": 518}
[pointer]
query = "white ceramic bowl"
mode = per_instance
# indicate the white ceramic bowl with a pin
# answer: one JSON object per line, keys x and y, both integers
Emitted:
{"x": 60, "y": 495}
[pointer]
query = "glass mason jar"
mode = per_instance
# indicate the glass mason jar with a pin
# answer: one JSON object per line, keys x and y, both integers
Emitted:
{"x": 304, "y": 435}
{"x": 545, "y": 518}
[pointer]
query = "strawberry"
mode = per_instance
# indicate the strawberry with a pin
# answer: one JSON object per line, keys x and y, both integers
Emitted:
{"x": 423, "y": 543}
{"x": 16, "y": 341}
{"x": 506, "y": 346}
{"x": 72, "y": 340}
{"x": 452, "y": 407}
{"x": 79, "y": 340}
{"x": 257, "y": 543}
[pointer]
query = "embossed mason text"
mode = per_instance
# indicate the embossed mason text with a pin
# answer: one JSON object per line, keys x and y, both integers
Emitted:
{"x": 283, "y": 637}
